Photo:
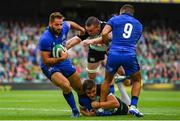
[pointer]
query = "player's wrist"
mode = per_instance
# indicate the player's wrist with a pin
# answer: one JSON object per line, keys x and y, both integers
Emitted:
{"x": 92, "y": 42}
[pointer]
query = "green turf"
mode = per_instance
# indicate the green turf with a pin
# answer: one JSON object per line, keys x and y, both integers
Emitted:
{"x": 50, "y": 105}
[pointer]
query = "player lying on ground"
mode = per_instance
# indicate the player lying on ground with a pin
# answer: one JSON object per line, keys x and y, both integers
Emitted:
{"x": 112, "y": 105}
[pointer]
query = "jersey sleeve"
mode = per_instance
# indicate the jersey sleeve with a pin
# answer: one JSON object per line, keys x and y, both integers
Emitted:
{"x": 141, "y": 39}
{"x": 66, "y": 26}
{"x": 45, "y": 44}
{"x": 110, "y": 22}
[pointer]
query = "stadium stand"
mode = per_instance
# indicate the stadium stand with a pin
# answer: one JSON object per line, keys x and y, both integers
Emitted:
{"x": 159, "y": 54}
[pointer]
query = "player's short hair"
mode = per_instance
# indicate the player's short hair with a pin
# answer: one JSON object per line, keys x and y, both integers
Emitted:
{"x": 88, "y": 84}
{"x": 127, "y": 8}
{"x": 55, "y": 15}
{"x": 92, "y": 21}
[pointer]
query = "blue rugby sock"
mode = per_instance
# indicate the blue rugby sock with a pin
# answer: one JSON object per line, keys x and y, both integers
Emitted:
{"x": 111, "y": 89}
{"x": 70, "y": 100}
{"x": 134, "y": 100}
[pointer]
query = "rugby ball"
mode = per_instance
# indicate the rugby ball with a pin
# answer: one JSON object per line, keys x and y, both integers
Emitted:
{"x": 57, "y": 49}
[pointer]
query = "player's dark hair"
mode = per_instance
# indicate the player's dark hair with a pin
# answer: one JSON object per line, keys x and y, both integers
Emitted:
{"x": 55, "y": 15}
{"x": 92, "y": 21}
{"x": 127, "y": 8}
{"x": 88, "y": 84}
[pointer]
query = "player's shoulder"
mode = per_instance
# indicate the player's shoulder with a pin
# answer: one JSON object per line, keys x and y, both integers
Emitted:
{"x": 137, "y": 21}
{"x": 66, "y": 24}
{"x": 113, "y": 20}
{"x": 46, "y": 35}
{"x": 115, "y": 17}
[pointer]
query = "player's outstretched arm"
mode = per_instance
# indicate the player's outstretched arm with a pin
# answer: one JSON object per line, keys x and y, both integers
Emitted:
{"x": 93, "y": 41}
{"x": 96, "y": 40}
{"x": 72, "y": 42}
{"x": 76, "y": 26}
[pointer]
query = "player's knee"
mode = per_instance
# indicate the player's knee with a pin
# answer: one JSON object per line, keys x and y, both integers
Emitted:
{"x": 66, "y": 88}
{"x": 127, "y": 82}
{"x": 136, "y": 77}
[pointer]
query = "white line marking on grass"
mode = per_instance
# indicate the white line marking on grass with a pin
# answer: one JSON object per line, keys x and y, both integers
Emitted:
{"x": 161, "y": 99}
{"x": 166, "y": 114}
{"x": 20, "y": 101}
{"x": 35, "y": 109}
{"x": 66, "y": 110}
{"x": 17, "y": 101}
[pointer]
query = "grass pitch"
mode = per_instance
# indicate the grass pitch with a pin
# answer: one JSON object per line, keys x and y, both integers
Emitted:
{"x": 50, "y": 105}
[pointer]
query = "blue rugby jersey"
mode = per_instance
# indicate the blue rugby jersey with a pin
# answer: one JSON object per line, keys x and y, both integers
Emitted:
{"x": 48, "y": 40}
{"x": 126, "y": 31}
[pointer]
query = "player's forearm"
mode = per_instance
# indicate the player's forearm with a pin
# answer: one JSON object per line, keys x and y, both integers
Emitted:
{"x": 108, "y": 105}
{"x": 72, "y": 42}
{"x": 97, "y": 40}
{"x": 76, "y": 26}
{"x": 105, "y": 38}
{"x": 104, "y": 91}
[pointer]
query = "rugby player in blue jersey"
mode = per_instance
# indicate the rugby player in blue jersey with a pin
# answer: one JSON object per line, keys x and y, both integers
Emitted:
{"x": 60, "y": 70}
{"x": 112, "y": 106}
{"x": 126, "y": 31}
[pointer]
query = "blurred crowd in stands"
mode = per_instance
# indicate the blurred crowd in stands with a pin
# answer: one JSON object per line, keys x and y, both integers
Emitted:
{"x": 158, "y": 54}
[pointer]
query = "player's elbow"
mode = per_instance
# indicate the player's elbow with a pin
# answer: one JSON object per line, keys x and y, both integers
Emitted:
{"x": 45, "y": 62}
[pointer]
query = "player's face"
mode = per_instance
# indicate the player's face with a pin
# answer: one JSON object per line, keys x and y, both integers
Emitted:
{"x": 91, "y": 93}
{"x": 92, "y": 29}
{"x": 56, "y": 25}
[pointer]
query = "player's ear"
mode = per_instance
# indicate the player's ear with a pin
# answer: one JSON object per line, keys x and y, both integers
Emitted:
{"x": 121, "y": 11}
{"x": 99, "y": 27}
{"x": 50, "y": 23}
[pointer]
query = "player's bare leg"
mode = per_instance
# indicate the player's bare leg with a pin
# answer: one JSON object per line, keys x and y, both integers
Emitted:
{"x": 75, "y": 82}
{"x": 136, "y": 88}
{"x": 59, "y": 80}
{"x": 136, "y": 84}
{"x": 106, "y": 85}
